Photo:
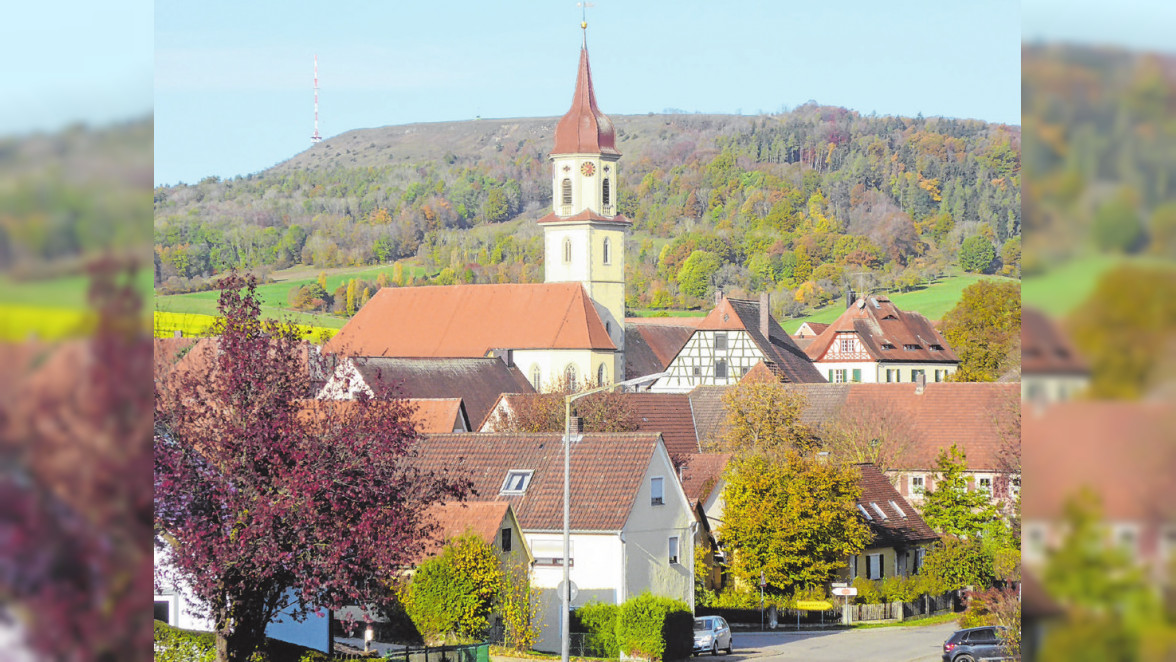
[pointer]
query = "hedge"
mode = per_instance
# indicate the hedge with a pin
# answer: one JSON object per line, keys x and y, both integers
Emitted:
{"x": 655, "y": 628}
{"x": 176, "y": 645}
{"x": 598, "y": 621}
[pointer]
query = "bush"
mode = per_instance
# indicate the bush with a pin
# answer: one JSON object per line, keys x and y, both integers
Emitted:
{"x": 599, "y": 623}
{"x": 452, "y": 594}
{"x": 955, "y": 563}
{"x": 977, "y": 254}
{"x": 176, "y": 645}
{"x": 655, "y": 628}
{"x": 868, "y": 592}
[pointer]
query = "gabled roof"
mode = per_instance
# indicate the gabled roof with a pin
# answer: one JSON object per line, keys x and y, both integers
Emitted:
{"x": 814, "y": 329}
{"x": 897, "y": 524}
{"x": 606, "y": 474}
{"x": 701, "y": 474}
{"x": 472, "y": 320}
{"x": 1045, "y": 350}
{"x": 783, "y": 356}
{"x": 586, "y": 215}
{"x": 477, "y": 382}
{"x": 649, "y": 348}
{"x": 1122, "y": 451}
{"x": 886, "y": 333}
{"x": 437, "y": 414}
{"x": 456, "y": 518}
{"x": 584, "y": 129}
{"x": 709, "y": 415}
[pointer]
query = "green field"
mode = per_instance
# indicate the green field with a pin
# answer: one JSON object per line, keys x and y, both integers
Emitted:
{"x": 932, "y": 301}
{"x": 62, "y": 292}
{"x": 273, "y": 296}
{"x": 1063, "y": 288}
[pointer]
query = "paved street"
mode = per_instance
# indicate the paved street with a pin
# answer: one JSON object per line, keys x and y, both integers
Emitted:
{"x": 892, "y": 644}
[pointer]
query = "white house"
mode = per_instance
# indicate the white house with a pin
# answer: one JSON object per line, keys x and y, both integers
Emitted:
{"x": 632, "y": 527}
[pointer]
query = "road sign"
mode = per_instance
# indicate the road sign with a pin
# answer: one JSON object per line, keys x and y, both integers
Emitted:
{"x": 814, "y": 605}
{"x": 845, "y": 591}
{"x": 762, "y": 582}
{"x": 839, "y": 584}
{"x": 574, "y": 593}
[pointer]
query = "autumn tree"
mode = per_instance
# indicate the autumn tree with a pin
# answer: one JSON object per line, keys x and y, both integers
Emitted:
{"x": 697, "y": 272}
{"x": 950, "y": 507}
{"x": 869, "y": 433}
{"x": 764, "y": 417}
{"x": 984, "y": 330}
{"x": 1118, "y": 227}
{"x": 451, "y": 595}
{"x": 977, "y": 254}
{"x": 265, "y": 502}
{"x": 607, "y": 411}
{"x": 791, "y": 517}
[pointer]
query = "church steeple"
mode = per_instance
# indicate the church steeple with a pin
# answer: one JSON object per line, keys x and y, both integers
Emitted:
{"x": 584, "y": 129}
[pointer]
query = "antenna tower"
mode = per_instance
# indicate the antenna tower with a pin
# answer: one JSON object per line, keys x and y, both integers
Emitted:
{"x": 316, "y": 137}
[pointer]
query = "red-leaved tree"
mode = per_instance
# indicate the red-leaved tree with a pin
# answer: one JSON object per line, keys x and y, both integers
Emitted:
{"x": 265, "y": 501}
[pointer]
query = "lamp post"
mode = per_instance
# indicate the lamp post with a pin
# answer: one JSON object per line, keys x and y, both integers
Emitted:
{"x": 566, "y": 590}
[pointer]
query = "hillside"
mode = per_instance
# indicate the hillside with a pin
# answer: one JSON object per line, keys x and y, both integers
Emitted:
{"x": 799, "y": 204}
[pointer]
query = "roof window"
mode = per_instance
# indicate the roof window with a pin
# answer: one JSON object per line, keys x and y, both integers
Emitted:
{"x": 516, "y": 481}
{"x": 898, "y": 510}
{"x": 881, "y": 513}
{"x": 887, "y": 345}
{"x": 937, "y": 347}
{"x": 911, "y": 348}
{"x": 868, "y": 516}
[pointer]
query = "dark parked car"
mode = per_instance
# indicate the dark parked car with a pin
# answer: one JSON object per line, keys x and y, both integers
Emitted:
{"x": 974, "y": 645}
{"x": 710, "y": 634}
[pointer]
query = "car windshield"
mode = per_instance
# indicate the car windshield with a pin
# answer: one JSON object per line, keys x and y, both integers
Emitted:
{"x": 702, "y": 624}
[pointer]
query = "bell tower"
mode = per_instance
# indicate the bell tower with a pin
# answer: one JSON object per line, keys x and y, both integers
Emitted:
{"x": 584, "y": 236}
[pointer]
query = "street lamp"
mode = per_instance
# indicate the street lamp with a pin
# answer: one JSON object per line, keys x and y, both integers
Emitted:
{"x": 566, "y": 590}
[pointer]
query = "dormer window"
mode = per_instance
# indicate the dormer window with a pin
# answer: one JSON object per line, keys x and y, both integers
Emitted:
{"x": 938, "y": 348}
{"x": 516, "y": 481}
{"x": 912, "y": 348}
{"x": 887, "y": 345}
{"x": 567, "y": 191}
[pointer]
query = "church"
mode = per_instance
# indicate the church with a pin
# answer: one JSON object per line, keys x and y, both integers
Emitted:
{"x": 569, "y": 328}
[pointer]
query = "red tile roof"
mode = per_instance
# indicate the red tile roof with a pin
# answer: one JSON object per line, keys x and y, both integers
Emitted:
{"x": 1124, "y": 452}
{"x": 816, "y": 329}
{"x": 436, "y": 415}
{"x": 901, "y": 526}
{"x": 456, "y": 518}
{"x": 1045, "y": 350}
{"x": 584, "y": 129}
{"x": 701, "y": 473}
{"x": 606, "y": 472}
{"x": 785, "y": 359}
{"x": 649, "y": 348}
{"x": 885, "y": 332}
{"x": 477, "y": 382}
{"x": 471, "y": 320}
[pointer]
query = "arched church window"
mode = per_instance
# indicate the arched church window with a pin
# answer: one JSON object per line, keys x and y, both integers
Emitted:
{"x": 607, "y": 251}
{"x": 567, "y": 246}
{"x": 567, "y": 191}
{"x": 570, "y": 376}
{"x": 600, "y": 375}
{"x": 535, "y": 375}
{"x": 607, "y": 193}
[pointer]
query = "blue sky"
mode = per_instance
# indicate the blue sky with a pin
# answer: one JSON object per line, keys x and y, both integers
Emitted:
{"x": 233, "y": 90}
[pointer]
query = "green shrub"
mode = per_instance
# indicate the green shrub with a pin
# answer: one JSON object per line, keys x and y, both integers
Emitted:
{"x": 655, "y": 628}
{"x": 901, "y": 589}
{"x": 599, "y": 622}
{"x": 736, "y": 599}
{"x": 451, "y": 595}
{"x": 176, "y": 645}
{"x": 868, "y": 593}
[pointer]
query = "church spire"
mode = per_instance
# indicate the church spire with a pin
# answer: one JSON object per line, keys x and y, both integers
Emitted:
{"x": 584, "y": 129}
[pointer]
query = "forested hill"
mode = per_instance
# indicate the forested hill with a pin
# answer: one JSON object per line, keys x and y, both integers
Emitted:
{"x": 795, "y": 203}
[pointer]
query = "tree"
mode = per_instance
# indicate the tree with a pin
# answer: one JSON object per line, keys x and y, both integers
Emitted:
{"x": 1117, "y": 225}
{"x": 607, "y": 411}
{"x": 697, "y": 271}
{"x": 1010, "y": 257}
{"x": 792, "y": 518}
{"x": 984, "y": 330}
{"x": 954, "y": 563}
{"x": 977, "y": 254}
{"x": 451, "y": 595}
{"x": 350, "y": 298}
{"x": 264, "y": 501}
{"x": 949, "y": 507}
{"x": 496, "y": 207}
{"x": 764, "y": 417}
{"x": 1163, "y": 229}
{"x": 869, "y": 433}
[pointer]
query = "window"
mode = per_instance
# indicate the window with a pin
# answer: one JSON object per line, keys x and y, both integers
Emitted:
{"x": 535, "y": 374}
{"x": 857, "y": 374}
{"x": 939, "y": 375}
{"x": 657, "y": 490}
{"x": 1014, "y": 487}
{"x": 938, "y": 348}
{"x": 853, "y": 567}
{"x": 673, "y": 549}
{"x": 567, "y": 251}
{"x": 506, "y": 540}
{"x": 920, "y": 553}
{"x": 516, "y": 481}
{"x": 887, "y": 345}
{"x": 570, "y": 375}
{"x": 550, "y": 552}
{"x": 607, "y": 193}
{"x": 911, "y": 348}
{"x": 697, "y": 371}
{"x": 838, "y": 376}
{"x": 1034, "y": 539}
{"x": 874, "y": 569}
{"x": 916, "y": 485}
{"x": 720, "y": 342}
{"x": 889, "y": 375}
{"x": 607, "y": 250}
{"x": 720, "y": 369}
{"x": 986, "y": 484}
{"x": 1127, "y": 538}
{"x": 846, "y": 344}
{"x": 865, "y": 513}
{"x": 900, "y": 511}
{"x": 916, "y": 374}
{"x": 163, "y": 611}
{"x": 600, "y": 375}
{"x": 567, "y": 191}
{"x": 877, "y": 509}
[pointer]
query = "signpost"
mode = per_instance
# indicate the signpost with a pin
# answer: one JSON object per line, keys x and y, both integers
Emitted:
{"x": 762, "y": 585}
{"x": 846, "y": 592}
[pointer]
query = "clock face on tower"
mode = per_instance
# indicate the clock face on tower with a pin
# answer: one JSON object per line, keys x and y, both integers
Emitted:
{"x": 587, "y": 168}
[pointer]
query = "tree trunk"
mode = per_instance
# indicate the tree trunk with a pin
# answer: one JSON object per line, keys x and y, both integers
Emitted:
{"x": 246, "y": 634}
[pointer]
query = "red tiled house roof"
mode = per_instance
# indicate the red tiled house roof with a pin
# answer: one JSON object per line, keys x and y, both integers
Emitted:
{"x": 477, "y": 382}
{"x": 780, "y": 351}
{"x": 898, "y": 524}
{"x": 649, "y": 348}
{"x": 606, "y": 472}
{"x": 886, "y": 332}
{"x": 1045, "y": 350}
{"x": 483, "y": 519}
{"x": 434, "y": 415}
{"x": 466, "y": 321}
{"x": 701, "y": 473}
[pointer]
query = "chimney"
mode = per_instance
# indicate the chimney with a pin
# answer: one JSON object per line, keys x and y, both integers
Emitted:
{"x": 850, "y": 297}
{"x": 765, "y": 311}
{"x": 718, "y": 297}
{"x": 920, "y": 383}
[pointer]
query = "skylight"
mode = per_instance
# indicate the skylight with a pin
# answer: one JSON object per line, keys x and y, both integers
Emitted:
{"x": 868, "y": 516}
{"x": 898, "y": 510}
{"x": 878, "y": 510}
{"x": 516, "y": 481}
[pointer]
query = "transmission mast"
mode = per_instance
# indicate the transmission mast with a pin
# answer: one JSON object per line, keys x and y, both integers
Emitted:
{"x": 316, "y": 137}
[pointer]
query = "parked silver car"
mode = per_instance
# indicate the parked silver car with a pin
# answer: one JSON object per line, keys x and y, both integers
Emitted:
{"x": 711, "y": 633}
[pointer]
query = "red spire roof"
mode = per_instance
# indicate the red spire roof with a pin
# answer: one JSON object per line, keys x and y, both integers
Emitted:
{"x": 584, "y": 129}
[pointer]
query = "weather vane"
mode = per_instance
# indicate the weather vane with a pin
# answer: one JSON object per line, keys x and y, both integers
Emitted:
{"x": 584, "y": 14}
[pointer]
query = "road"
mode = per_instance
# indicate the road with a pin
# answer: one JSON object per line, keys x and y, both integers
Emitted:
{"x": 889, "y": 644}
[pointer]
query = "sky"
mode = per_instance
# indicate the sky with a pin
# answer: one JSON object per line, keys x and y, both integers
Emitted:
{"x": 234, "y": 93}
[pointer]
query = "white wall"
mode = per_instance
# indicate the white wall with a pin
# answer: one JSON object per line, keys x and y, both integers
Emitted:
{"x": 182, "y": 603}
{"x": 595, "y": 571}
{"x": 647, "y": 532}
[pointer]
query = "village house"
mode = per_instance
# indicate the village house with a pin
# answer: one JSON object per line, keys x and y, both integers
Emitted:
{"x": 1052, "y": 370}
{"x": 632, "y": 528}
{"x": 900, "y": 536}
{"x": 733, "y": 338}
{"x": 874, "y": 341}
